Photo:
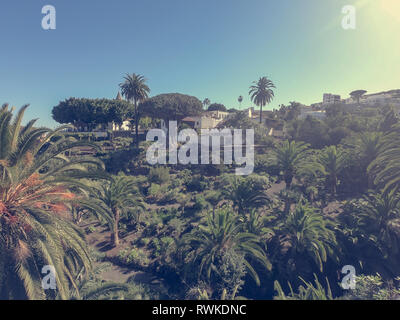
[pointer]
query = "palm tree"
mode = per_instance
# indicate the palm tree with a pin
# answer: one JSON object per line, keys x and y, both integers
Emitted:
{"x": 240, "y": 100}
{"x": 113, "y": 198}
{"x": 135, "y": 89}
{"x": 290, "y": 157}
{"x": 36, "y": 179}
{"x": 256, "y": 222}
{"x": 332, "y": 161}
{"x": 206, "y": 103}
{"x": 380, "y": 217}
{"x": 213, "y": 198}
{"x": 386, "y": 167}
{"x": 367, "y": 146}
{"x": 220, "y": 233}
{"x": 289, "y": 197}
{"x": 307, "y": 291}
{"x": 246, "y": 193}
{"x": 307, "y": 234}
{"x": 261, "y": 93}
{"x": 93, "y": 287}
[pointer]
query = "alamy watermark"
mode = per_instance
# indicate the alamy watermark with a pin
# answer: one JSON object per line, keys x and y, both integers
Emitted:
{"x": 349, "y": 20}
{"x": 349, "y": 280}
{"x": 49, "y": 280}
{"x": 49, "y": 20}
{"x": 188, "y": 152}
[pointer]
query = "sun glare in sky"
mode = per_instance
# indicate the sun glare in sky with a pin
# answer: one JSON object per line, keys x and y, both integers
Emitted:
{"x": 391, "y": 7}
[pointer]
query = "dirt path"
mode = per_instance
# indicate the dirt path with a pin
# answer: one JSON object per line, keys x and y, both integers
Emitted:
{"x": 121, "y": 274}
{"x": 100, "y": 241}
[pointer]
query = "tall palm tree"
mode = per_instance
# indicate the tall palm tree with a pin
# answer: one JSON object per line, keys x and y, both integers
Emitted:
{"x": 307, "y": 234}
{"x": 206, "y": 103}
{"x": 240, "y": 100}
{"x": 220, "y": 233}
{"x": 114, "y": 198}
{"x": 261, "y": 93}
{"x": 332, "y": 161}
{"x": 36, "y": 179}
{"x": 290, "y": 156}
{"x": 135, "y": 89}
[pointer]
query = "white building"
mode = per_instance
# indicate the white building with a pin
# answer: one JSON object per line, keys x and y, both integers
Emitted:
{"x": 382, "y": 98}
{"x": 309, "y": 111}
{"x": 208, "y": 120}
{"x": 391, "y": 97}
{"x": 329, "y": 99}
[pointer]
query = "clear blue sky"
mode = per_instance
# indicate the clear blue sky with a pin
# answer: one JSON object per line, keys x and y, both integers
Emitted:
{"x": 205, "y": 48}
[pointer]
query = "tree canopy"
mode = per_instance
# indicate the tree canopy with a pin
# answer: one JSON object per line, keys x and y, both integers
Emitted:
{"x": 357, "y": 94}
{"x": 217, "y": 107}
{"x": 171, "y": 106}
{"x": 82, "y": 111}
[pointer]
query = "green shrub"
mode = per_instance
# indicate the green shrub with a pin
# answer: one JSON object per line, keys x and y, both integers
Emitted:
{"x": 176, "y": 226}
{"x": 200, "y": 203}
{"x": 159, "y": 175}
{"x": 167, "y": 246}
{"x": 145, "y": 241}
{"x": 134, "y": 257}
{"x": 265, "y": 164}
{"x": 170, "y": 196}
{"x": 197, "y": 183}
{"x": 154, "y": 189}
{"x": 166, "y": 241}
{"x": 185, "y": 175}
{"x": 153, "y": 223}
{"x": 177, "y": 183}
{"x": 160, "y": 193}
{"x": 156, "y": 246}
{"x": 373, "y": 288}
{"x": 213, "y": 197}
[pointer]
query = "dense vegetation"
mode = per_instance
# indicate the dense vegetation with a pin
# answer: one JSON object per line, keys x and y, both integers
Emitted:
{"x": 324, "y": 197}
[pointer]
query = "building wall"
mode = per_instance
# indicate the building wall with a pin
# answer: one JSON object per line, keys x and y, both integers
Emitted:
{"x": 313, "y": 114}
{"x": 329, "y": 99}
{"x": 207, "y": 122}
{"x": 383, "y": 98}
{"x": 220, "y": 115}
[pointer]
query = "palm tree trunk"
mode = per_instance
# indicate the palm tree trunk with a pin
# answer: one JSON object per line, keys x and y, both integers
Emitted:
{"x": 115, "y": 236}
{"x": 334, "y": 185}
{"x": 286, "y": 209}
{"x": 288, "y": 180}
{"x": 136, "y": 125}
{"x": 261, "y": 113}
